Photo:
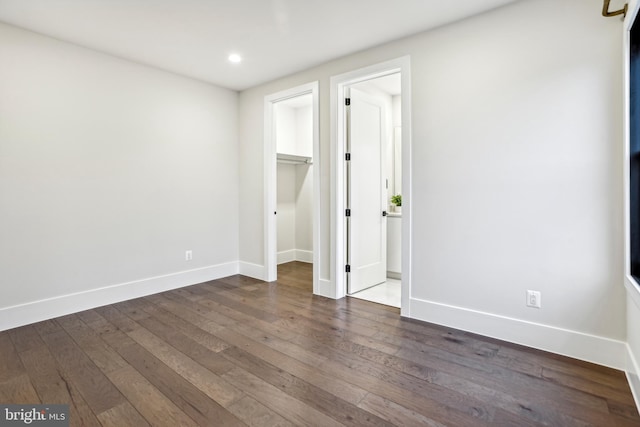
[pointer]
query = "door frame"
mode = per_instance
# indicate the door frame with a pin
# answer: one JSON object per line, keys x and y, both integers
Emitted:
{"x": 338, "y": 84}
{"x": 271, "y": 180}
{"x": 629, "y": 20}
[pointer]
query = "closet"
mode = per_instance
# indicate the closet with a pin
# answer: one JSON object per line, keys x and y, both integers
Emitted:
{"x": 294, "y": 147}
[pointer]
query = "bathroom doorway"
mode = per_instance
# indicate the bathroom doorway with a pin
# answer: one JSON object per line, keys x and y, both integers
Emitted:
{"x": 373, "y": 189}
{"x": 291, "y": 180}
{"x": 339, "y": 92}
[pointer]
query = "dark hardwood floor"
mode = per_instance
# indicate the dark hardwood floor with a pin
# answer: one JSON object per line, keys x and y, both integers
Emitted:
{"x": 238, "y": 351}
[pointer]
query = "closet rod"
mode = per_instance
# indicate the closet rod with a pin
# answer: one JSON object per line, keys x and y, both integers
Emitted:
{"x": 606, "y": 13}
{"x": 295, "y": 162}
{"x": 293, "y": 159}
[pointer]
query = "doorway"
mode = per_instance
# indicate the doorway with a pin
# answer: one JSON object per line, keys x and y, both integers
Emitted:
{"x": 374, "y": 247}
{"x": 292, "y": 179}
{"x": 392, "y": 177}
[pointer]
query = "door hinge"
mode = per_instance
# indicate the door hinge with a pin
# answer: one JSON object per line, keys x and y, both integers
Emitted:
{"x": 347, "y": 268}
{"x": 347, "y": 156}
{"x": 347, "y": 212}
{"x": 347, "y": 101}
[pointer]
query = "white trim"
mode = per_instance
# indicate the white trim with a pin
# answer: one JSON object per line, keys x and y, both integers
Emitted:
{"x": 633, "y": 290}
{"x": 407, "y": 190}
{"x": 270, "y": 180}
{"x": 326, "y": 288}
{"x": 632, "y": 13}
{"x": 632, "y": 370}
{"x": 336, "y": 178}
{"x": 295, "y": 255}
{"x": 252, "y": 270}
{"x": 591, "y": 348}
{"x": 36, "y": 311}
{"x": 338, "y": 85}
{"x": 270, "y": 194}
{"x": 628, "y": 22}
{"x": 631, "y": 285}
{"x": 632, "y": 376}
{"x": 634, "y": 385}
{"x": 317, "y": 213}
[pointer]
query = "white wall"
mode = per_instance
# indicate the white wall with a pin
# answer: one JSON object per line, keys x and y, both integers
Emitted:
{"x": 304, "y": 210}
{"x": 109, "y": 171}
{"x": 304, "y": 185}
{"x": 521, "y": 182}
{"x": 397, "y": 110}
{"x": 294, "y": 133}
{"x": 395, "y": 182}
{"x": 516, "y": 174}
{"x": 295, "y": 216}
{"x": 285, "y": 129}
{"x": 304, "y": 130}
{"x": 286, "y": 217}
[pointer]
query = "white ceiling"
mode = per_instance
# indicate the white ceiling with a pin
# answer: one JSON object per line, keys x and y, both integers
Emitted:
{"x": 275, "y": 37}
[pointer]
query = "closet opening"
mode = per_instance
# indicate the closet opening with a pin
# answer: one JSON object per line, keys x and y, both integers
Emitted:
{"x": 291, "y": 181}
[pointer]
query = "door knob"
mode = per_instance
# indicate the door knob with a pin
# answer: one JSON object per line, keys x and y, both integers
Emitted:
{"x": 384, "y": 213}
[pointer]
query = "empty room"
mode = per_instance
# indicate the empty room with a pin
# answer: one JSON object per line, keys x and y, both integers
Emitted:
{"x": 319, "y": 213}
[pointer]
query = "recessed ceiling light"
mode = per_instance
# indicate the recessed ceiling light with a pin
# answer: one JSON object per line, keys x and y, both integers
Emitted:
{"x": 235, "y": 58}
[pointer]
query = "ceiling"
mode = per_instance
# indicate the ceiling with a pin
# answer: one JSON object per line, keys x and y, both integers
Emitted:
{"x": 275, "y": 37}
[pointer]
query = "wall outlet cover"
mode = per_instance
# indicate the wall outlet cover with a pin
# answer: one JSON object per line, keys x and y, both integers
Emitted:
{"x": 534, "y": 299}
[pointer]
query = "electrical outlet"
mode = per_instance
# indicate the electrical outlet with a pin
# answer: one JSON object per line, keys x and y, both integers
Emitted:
{"x": 188, "y": 255}
{"x": 534, "y": 299}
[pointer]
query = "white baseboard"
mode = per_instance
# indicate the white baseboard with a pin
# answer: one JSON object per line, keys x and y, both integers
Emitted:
{"x": 633, "y": 308}
{"x": 286, "y": 256}
{"x": 36, "y": 311}
{"x": 254, "y": 271}
{"x": 633, "y": 376}
{"x": 591, "y": 348}
{"x": 295, "y": 255}
{"x": 394, "y": 275}
{"x": 304, "y": 256}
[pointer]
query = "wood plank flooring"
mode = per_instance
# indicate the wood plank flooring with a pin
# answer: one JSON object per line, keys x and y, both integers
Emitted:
{"x": 237, "y": 351}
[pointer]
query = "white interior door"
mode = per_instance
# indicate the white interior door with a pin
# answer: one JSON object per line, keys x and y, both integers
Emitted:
{"x": 367, "y": 235}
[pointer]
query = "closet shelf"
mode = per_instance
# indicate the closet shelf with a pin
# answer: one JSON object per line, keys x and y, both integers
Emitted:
{"x": 292, "y": 159}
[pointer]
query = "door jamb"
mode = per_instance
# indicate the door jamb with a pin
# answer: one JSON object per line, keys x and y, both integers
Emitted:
{"x": 338, "y": 85}
{"x": 270, "y": 180}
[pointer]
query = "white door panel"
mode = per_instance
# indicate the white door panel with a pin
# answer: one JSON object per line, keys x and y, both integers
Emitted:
{"x": 368, "y": 231}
